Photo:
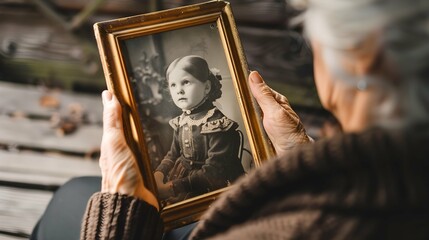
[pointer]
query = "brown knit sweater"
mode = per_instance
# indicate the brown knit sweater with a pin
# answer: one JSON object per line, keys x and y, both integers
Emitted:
{"x": 372, "y": 185}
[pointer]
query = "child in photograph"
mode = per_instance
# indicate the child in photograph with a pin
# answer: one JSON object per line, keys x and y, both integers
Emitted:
{"x": 204, "y": 152}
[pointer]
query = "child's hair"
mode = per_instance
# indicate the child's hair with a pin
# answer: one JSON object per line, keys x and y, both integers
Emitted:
{"x": 198, "y": 68}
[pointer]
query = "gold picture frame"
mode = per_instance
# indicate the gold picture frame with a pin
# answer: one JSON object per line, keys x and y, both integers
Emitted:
{"x": 135, "y": 52}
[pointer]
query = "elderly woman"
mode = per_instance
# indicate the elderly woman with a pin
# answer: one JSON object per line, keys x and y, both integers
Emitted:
{"x": 371, "y": 62}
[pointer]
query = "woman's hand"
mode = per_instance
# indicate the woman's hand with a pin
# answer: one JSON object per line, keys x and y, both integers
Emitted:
{"x": 120, "y": 173}
{"x": 281, "y": 123}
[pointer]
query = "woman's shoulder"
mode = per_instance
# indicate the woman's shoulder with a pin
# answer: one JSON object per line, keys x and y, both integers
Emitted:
{"x": 320, "y": 169}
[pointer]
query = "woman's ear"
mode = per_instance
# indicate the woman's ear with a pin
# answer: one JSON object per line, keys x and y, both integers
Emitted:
{"x": 208, "y": 87}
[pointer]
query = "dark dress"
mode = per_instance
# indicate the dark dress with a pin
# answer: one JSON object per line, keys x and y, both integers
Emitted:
{"x": 204, "y": 153}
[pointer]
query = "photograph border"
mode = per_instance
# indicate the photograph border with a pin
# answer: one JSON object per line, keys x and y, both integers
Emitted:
{"x": 109, "y": 35}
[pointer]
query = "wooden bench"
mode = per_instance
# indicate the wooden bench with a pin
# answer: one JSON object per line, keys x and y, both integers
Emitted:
{"x": 35, "y": 158}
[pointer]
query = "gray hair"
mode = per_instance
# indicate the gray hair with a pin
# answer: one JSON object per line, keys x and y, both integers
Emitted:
{"x": 404, "y": 40}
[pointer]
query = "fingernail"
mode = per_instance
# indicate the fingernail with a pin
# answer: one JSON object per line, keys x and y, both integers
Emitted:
{"x": 255, "y": 77}
{"x": 107, "y": 96}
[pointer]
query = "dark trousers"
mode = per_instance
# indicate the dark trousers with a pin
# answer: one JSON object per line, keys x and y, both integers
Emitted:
{"x": 63, "y": 216}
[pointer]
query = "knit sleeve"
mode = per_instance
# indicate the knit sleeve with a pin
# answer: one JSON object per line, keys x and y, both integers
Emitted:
{"x": 116, "y": 216}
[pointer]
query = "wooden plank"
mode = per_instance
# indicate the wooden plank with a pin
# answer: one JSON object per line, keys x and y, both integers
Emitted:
{"x": 126, "y": 7}
{"x": 8, "y": 237}
{"x": 21, "y": 209}
{"x": 44, "y": 169}
{"x": 13, "y": 102}
{"x": 259, "y": 12}
{"x": 39, "y": 38}
{"x": 33, "y": 48}
{"x": 109, "y": 6}
{"x": 21, "y": 132}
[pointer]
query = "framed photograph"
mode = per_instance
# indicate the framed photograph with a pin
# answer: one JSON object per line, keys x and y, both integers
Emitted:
{"x": 189, "y": 117}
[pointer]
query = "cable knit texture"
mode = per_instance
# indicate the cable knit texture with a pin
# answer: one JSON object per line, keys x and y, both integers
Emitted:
{"x": 115, "y": 216}
{"x": 372, "y": 185}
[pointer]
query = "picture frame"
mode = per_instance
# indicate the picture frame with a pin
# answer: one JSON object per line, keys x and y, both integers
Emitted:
{"x": 136, "y": 53}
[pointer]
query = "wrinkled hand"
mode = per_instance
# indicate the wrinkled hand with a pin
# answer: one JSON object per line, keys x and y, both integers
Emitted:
{"x": 120, "y": 173}
{"x": 165, "y": 190}
{"x": 281, "y": 123}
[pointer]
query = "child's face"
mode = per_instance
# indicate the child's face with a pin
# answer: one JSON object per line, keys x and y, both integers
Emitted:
{"x": 186, "y": 91}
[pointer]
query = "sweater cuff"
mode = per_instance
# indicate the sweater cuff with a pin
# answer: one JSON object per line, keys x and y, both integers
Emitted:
{"x": 117, "y": 216}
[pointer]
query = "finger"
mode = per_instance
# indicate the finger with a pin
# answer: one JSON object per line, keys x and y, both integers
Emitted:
{"x": 262, "y": 93}
{"x": 112, "y": 112}
{"x": 284, "y": 102}
{"x": 274, "y": 104}
{"x": 269, "y": 100}
{"x": 265, "y": 96}
{"x": 286, "y": 113}
{"x": 280, "y": 98}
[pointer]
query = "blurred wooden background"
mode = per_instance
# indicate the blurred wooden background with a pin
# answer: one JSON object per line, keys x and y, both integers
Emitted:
{"x": 51, "y": 78}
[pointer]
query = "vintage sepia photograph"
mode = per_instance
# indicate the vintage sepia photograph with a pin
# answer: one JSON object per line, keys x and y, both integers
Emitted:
{"x": 181, "y": 78}
{"x": 189, "y": 111}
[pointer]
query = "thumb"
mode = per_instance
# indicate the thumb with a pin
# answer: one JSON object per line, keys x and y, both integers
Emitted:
{"x": 112, "y": 112}
{"x": 263, "y": 94}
